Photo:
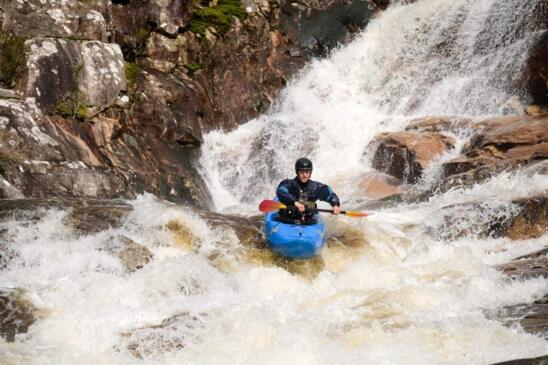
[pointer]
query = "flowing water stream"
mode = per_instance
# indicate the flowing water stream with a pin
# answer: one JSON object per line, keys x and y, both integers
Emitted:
{"x": 401, "y": 286}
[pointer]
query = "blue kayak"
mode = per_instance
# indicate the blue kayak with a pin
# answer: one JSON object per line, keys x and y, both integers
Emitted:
{"x": 294, "y": 240}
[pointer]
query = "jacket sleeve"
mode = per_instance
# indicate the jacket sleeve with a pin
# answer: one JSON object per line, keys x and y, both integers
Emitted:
{"x": 327, "y": 195}
{"x": 283, "y": 193}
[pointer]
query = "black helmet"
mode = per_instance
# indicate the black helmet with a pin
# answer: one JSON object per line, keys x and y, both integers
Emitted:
{"x": 303, "y": 164}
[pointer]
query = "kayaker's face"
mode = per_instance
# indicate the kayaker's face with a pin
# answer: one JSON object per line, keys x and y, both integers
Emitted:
{"x": 304, "y": 176}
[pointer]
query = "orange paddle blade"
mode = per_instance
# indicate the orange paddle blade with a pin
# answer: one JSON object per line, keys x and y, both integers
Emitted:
{"x": 268, "y": 206}
{"x": 356, "y": 214}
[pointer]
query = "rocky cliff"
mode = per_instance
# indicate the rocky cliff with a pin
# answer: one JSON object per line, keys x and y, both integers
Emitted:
{"x": 108, "y": 99}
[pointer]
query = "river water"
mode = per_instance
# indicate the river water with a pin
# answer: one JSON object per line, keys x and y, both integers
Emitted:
{"x": 399, "y": 287}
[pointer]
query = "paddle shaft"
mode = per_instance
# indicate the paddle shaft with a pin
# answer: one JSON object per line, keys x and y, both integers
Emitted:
{"x": 328, "y": 211}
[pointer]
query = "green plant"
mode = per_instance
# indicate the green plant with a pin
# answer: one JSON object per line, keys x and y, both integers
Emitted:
{"x": 141, "y": 35}
{"x": 132, "y": 71}
{"x": 218, "y": 17}
{"x": 193, "y": 67}
{"x": 4, "y": 161}
{"x": 12, "y": 57}
{"x": 75, "y": 105}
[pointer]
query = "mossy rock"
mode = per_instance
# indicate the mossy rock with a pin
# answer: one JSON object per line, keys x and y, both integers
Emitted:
{"x": 73, "y": 108}
{"x": 219, "y": 17}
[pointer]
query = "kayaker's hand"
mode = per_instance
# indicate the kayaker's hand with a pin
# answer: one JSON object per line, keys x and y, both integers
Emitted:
{"x": 299, "y": 206}
{"x": 336, "y": 209}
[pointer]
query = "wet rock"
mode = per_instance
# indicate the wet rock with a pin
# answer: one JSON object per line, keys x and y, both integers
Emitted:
{"x": 69, "y": 76}
{"x": 17, "y": 314}
{"x": 183, "y": 236}
{"x": 172, "y": 334}
{"x": 518, "y": 219}
{"x": 378, "y": 186}
{"x": 319, "y": 27}
{"x": 404, "y": 155}
{"x": 526, "y": 268}
{"x": 531, "y": 222}
{"x": 133, "y": 255}
{"x": 543, "y": 360}
{"x": 439, "y": 124}
{"x": 96, "y": 216}
{"x": 502, "y": 143}
{"x": 536, "y": 69}
{"x": 250, "y": 231}
{"x": 532, "y": 317}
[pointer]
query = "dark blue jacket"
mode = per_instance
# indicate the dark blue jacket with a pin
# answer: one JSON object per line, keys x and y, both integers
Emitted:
{"x": 292, "y": 190}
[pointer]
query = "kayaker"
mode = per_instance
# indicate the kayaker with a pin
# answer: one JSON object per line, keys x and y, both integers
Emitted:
{"x": 300, "y": 195}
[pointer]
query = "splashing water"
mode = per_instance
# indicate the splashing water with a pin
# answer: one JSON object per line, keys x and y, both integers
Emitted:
{"x": 385, "y": 291}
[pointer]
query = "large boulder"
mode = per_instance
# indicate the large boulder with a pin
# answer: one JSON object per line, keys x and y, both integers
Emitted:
{"x": 60, "y": 19}
{"x": 501, "y": 143}
{"x": 519, "y": 218}
{"x": 68, "y": 76}
{"x": 405, "y": 155}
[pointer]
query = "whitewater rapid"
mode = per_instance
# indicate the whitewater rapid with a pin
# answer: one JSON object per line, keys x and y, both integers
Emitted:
{"x": 386, "y": 291}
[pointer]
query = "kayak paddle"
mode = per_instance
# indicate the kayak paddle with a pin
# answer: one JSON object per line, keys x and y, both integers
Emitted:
{"x": 268, "y": 206}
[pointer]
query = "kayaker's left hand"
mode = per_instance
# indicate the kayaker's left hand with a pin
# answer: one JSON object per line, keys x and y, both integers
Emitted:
{"x": 336, "y": 209}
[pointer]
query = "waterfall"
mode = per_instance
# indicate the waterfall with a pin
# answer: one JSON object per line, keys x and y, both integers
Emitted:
{"x": 439, "y": 57}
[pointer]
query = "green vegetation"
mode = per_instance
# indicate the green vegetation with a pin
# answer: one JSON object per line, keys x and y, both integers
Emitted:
{"x": 12, "y": 57}
{"x": 4, "y": 161}
{"x": 74, "y": 106}
{"x": 132, "y": 71}
{"x": 218, "y": 17}
{"x": 141, "y": 35}
{"x": 193, "y": 67}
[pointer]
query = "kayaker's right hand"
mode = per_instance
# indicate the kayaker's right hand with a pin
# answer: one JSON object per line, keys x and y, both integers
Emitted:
{"x": 299, "y": 206}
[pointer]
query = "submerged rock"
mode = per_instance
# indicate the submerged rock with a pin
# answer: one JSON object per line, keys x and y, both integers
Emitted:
{"x": 516, "y": 219}
{"x": 171, "y": 334}
{"x": 17, "y": 314}
{"x": 133, "y": 255}
{"x": 96, "y": 216}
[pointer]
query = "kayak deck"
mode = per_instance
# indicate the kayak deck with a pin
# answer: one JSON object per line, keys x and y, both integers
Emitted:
{"x": 294, "y": 240}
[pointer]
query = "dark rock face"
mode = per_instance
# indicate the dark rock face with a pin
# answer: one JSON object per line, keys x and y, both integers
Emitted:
{"x": 536, "y": 79}
{"x": 543, "y": 360}
{"x": 320, "y": 28}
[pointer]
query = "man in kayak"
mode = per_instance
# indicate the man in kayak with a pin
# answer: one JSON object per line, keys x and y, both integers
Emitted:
{"x": 300, "y": 195}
